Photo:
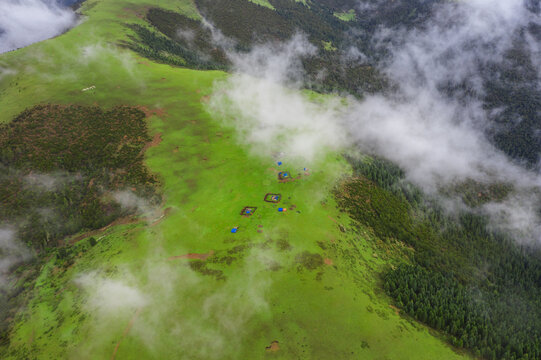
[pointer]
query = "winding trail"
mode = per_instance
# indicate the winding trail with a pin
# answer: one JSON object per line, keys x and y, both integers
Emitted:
{"x": 126, "y": 331}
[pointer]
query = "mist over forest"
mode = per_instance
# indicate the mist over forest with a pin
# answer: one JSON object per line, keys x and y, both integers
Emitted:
{"x": 399, "y": 141}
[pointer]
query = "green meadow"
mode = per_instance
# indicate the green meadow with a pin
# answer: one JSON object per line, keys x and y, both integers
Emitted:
{"x": 346, "y": 15}
{"x": 176, "y": 283}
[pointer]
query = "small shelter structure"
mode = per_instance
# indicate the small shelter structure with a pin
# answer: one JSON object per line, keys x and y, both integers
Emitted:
{"x": 273, "y": 198}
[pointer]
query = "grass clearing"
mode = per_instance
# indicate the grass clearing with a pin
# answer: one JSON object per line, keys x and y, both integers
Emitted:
{"x": 349, "y": 15}
{"x": 264, "y": 3}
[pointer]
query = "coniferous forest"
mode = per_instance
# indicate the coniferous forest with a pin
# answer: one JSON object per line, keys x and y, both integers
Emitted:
{"x": 476, "y": 285}
{"x": 61, "y": 164}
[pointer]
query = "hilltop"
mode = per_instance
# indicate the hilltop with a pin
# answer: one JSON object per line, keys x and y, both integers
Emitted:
{"x": 153, "y": 219}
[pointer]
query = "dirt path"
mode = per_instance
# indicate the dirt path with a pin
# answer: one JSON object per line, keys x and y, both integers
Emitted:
{"x": 273, "y": 347}
{"x": 150, "y": 112}
{"x": 126, "y": 331}
{"x": 120, "y": 221}
{"x": 156, "y": 140}
{"x": 192, "y": 256}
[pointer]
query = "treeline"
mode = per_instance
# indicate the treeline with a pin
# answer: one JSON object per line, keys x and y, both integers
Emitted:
{"x": 326, "y": 71}
{"x": 493, "y": 325}
{"x": 178, "y": 40}
{"x": 246, "y": 22}
{"x": 514, "y": 97}
{"x": 477, "y": 285}
{"x": 395, "y": 14}
{"x": 60, "y": 164}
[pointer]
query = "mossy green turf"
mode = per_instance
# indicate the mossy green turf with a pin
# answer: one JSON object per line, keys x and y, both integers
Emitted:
{"x": 346, "y": 15}
{"x": 334, "y": 311}
{"x": 264, "y": 3}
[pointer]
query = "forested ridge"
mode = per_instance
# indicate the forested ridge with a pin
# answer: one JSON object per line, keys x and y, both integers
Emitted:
{"x": 175, "y": 39}
{"x": 59, "y": 163}
{"x": 478, "y": 286}
{"x": 180, "y": 41}
{"x": 59, "y": 168}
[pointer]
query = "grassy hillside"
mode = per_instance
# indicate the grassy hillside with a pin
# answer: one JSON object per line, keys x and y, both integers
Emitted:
{"x": 175, "y": 282}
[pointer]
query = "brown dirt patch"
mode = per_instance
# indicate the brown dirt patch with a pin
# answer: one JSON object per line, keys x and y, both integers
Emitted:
{"x": 31, "y": 338}
{"x": 162, "y": 216}
{"x": 156, "y": 140}
{"x": 192, "y": 256}
{"x": 396, "y": 310}
{"x": 139, "y": 12}
{"x": 328, "y": 261}
{"x": 149, "y": 112}
{"x": 273, "y": 347}
{"x": 205, "y": 99}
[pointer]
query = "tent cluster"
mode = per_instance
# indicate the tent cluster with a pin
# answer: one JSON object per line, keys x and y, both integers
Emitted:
{"x": 269, "y": 197}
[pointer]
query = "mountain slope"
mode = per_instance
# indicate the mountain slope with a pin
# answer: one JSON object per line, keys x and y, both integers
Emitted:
{"x": 306, "y": 279}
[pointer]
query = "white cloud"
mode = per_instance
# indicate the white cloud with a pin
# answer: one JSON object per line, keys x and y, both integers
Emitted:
{"x": 129, "y": 201}
{"x": 205, "y": 318}
{"x": 262, "y": 100}
{"x": 438, "y": 139}
{"x": 23, "y": 22}
{"x": 110, "y": 296}
{"x": 11, "y": 253}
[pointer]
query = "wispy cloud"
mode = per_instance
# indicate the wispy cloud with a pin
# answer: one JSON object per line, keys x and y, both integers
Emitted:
{"x": 438, "y": 137}
{"x": 261, "y": 99}
{"x": 210, "y": 319}
{"x": 11, "y": 253}
{"x": 23, "y": 22}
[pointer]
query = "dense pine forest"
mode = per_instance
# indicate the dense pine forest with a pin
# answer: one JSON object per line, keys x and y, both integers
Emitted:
{"x": 178, "y": 40}
{"x": 60, "y": 165}
{"x": 476, "y": 285}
